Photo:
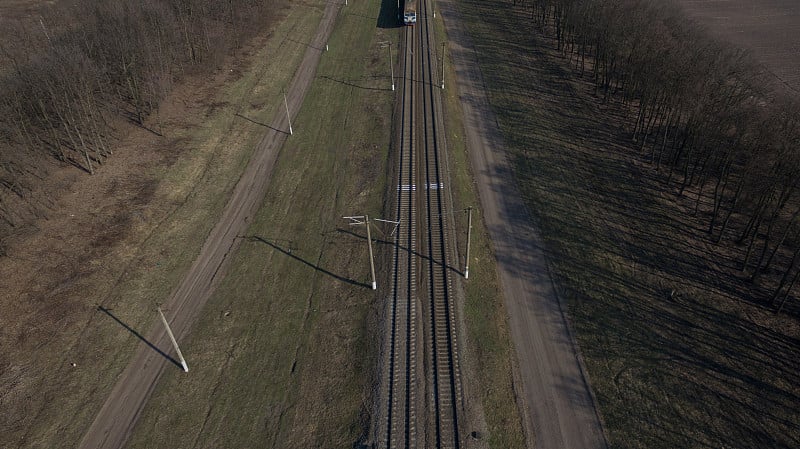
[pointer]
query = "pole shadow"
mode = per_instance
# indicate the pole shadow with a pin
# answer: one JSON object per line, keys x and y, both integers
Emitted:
{"x": 260, "y": 124}
{"x": 305, "y": 44}
{"x": 255, "y": 238}
{"x": 139, "y": 336}
{"x": 351, "y": 84}
{"x": 402, "y": 248}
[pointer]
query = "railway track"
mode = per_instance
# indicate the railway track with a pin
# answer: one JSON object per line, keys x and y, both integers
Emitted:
{"x": 422, "y": 385}
{"x": 401, "y": 420}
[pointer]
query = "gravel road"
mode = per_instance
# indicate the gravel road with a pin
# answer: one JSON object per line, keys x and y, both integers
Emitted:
{"x": 116, "y": 419}
{"x": 555, "y": 395}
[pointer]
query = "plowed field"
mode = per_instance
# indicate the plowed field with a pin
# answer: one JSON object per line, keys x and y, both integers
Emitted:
{"x": 768, "y": 28}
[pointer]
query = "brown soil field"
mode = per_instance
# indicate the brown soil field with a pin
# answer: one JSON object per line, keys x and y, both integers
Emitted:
{"x": 17, "y": 9}
{"x": 770, "y": 29}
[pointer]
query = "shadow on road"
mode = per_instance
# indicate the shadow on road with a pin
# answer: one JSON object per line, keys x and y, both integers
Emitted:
{"x": 260, "y": 124}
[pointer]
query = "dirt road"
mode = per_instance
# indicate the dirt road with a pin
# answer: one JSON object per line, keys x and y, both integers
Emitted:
{"x": 558, "y": 405}
{"x": 115, "y": 421}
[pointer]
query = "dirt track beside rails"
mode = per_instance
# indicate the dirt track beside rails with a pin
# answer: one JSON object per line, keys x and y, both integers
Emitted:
{"x": 555, "y": 395}
{"x": 116, "y": 419}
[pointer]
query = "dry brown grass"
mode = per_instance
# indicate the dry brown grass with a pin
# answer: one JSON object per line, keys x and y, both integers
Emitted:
{"x": 122, "y": 238}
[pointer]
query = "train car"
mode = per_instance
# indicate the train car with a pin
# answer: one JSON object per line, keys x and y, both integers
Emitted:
{"x": 410, "y": 12}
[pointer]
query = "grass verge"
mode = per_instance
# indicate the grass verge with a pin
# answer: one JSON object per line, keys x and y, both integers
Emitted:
{"x": 282, "y": 355}
{"x": 677, "y": 355}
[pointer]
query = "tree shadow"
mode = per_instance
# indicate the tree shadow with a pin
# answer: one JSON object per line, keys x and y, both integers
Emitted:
{"x": 664, "y": 318}
{"x": 150, "y": 130}
{"x": 389, "y": 15}
{"x": 288, "y": 252}
{"x": 139, "y": 336}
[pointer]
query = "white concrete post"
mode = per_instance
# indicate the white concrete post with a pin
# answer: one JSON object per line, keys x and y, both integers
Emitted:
{"x": 371, "y": 260}
{"x": 469, "y": 236}
{"x": 174, "y": 343}
{"x": 285, "y": 103}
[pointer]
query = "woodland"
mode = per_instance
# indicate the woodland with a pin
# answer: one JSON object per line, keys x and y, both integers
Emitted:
{"x": 706, "y": 115}
{"x": 73, "y": 77}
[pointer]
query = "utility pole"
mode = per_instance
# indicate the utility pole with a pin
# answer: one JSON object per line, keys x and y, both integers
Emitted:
{"x": 371, "y": 260}
{"x": 174, "y": 343}
{"x": 356, "y": 221}
{"x": 288, "y": 118}
{"x": 469, "y": 236}
{"x": 391, "y": 65}
{"x": 443, "y": 44}
{"x": 47, "y": 35}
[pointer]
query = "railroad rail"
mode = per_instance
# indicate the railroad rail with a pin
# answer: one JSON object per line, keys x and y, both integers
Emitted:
{"x": 401, "y": 420}
{"x": 422, "y": 388}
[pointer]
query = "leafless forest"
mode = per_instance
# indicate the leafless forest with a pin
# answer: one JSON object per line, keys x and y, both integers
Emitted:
{"x": 703, "y": 114}
{"x": 74, "y": 75}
